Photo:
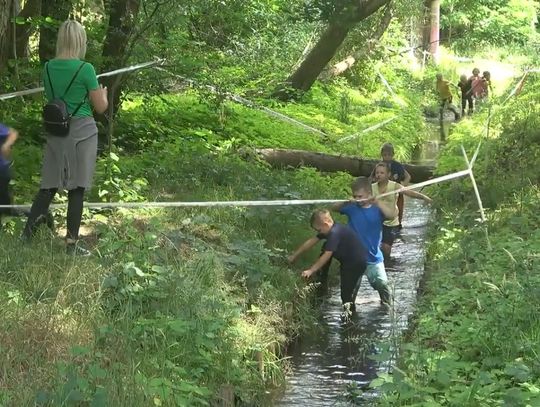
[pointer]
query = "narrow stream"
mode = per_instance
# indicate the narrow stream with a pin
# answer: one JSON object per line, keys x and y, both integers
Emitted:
{"x": 338, "y": 356}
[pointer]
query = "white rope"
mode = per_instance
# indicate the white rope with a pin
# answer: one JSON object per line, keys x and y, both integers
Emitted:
{"x": 111, "y": 73}
{"x": 371, "y": 128}
{"x": 249, "y": 103}
{"x": 213, "y": 204}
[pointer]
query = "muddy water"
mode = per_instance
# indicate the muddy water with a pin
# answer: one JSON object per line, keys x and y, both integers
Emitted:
{"x": 325, "y": 363}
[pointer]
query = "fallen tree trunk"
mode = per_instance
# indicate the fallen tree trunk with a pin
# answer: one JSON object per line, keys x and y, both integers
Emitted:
{"x": 355, "y": 166}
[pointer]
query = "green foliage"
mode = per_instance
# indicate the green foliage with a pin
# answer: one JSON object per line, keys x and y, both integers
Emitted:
{"x": 475, "y": 338}
{"x": 474, "y": 25}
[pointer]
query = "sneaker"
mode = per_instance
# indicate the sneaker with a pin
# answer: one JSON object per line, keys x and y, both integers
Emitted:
{"x": 74, "y": 249}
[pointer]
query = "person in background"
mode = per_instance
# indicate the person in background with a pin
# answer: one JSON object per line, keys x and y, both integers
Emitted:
{"x": 341, "y": 244}
{"x": 476, "y": 83}
{"x": 445, "y": 96}
{"x": 69, "y": 162}
{"x": 486, "y": 85}
{"x": 465, "y": 85}
{"x": 8, "y": 136}
{"x": 383, "y": 185}
{"x": 398, "y": 174}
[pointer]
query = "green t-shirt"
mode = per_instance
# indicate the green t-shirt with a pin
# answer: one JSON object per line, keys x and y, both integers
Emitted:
{"x": 61, "y": 72}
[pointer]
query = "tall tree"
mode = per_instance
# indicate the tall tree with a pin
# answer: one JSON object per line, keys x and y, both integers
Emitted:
{"x": 23, "y": 31}
{"x": 374, "y": 36}
{"x": 8, "y": 11}
{"x": 434, "y": 32}
{"x": 58, "y": 10}
{"x": 342, "y": 21}
{"x": 122, "y": 20}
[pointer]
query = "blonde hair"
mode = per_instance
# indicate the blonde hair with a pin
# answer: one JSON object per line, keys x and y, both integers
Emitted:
{"x": 320, "y": 215}
{"x": 71, "y": 41}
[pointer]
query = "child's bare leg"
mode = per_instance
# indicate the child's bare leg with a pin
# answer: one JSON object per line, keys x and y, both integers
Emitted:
{"x": 387, "y": 250}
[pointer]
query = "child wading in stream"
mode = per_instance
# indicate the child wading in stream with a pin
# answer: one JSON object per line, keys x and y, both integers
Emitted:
{"x": 445, "y": 96}
{"x": 391, "y": 226}
{"x": 342, "y": 244}
{"x": 366, "y": 216}
{"x": 398, "y": 174}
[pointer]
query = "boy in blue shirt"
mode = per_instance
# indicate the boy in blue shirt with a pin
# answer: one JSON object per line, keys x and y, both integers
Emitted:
{"x": 341, "y": 243}
{"x": 366, "y": 216}
{"x": 8, "y": 136}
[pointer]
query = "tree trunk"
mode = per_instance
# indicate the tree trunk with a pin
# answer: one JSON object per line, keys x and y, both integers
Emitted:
{"x": 281, "y": 158}
{"x": 308, "y": 71}
{"x": 375, "y": 37}
{"x": 58, "y": 10}
{"x": 6, "y": 46}
{"x": 122, "y": 18}
{"x": 434, "y": 37}
{"x": 329, "y": 42}
{"x": 32, "y": 8}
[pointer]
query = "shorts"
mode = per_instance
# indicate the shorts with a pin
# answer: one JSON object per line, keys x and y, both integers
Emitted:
{"x": 389, "y": 234}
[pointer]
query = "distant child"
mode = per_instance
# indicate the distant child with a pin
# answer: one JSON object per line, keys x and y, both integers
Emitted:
{"x": 366, "y": 216}
{"x": 8, "y": 136}
{"x": 391, "y": 226}
{"x": 476, "y": 83}
{"x": 465, "y": 85}
{"x": 342, "y": 244}
{"x": 485, "y": 85}
{"x": 445, "y": 95}
{"x": 398, "y": 174}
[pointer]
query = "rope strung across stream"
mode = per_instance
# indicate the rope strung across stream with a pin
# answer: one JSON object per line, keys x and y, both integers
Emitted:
{"x": 291, "y": 202}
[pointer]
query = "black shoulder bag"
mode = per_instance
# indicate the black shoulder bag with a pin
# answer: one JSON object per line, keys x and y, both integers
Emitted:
{"x": 56, "y": 117}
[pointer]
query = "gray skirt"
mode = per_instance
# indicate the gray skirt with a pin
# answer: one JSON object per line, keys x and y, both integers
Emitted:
{"x": 69, "y": 162}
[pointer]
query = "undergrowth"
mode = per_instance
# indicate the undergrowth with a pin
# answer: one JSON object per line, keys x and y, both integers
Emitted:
{"x": 475, "y": 340}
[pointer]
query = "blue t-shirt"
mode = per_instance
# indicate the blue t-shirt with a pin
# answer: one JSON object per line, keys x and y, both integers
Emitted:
{"x": 367, "y": 224}
{"x": 343, "y": 242}
{"x": 4, "y": 133}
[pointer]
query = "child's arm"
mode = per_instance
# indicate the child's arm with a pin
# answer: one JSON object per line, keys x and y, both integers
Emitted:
{"x": 338, "y": 206}
{"x": 10, "y": 140}
{"x": 407, "y": 177}
{"x": 388, "y": 211}
{"x": 417, "y": 195}
{"x": 308, "y": 244}
{"x": 321, "y": 261}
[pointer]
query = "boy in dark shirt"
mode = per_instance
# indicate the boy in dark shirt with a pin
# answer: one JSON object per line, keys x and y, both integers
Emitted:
{"x": 341, "y": 244}
{"x": 466, "y": 94}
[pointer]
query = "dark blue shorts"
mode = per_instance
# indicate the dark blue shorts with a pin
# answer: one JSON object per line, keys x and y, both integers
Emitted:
{"x": 389, "y": 234}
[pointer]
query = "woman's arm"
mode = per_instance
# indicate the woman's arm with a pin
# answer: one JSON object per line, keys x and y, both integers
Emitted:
{"x": 98, "y": 97}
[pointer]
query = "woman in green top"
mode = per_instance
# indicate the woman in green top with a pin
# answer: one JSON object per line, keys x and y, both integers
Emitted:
{"x": 69, "y": 162}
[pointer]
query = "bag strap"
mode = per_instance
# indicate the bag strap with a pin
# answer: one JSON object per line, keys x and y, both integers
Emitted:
{"x": 72, "y": 79}
{"x": 68, "y": 87}
{"x": 49, "y": 77}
